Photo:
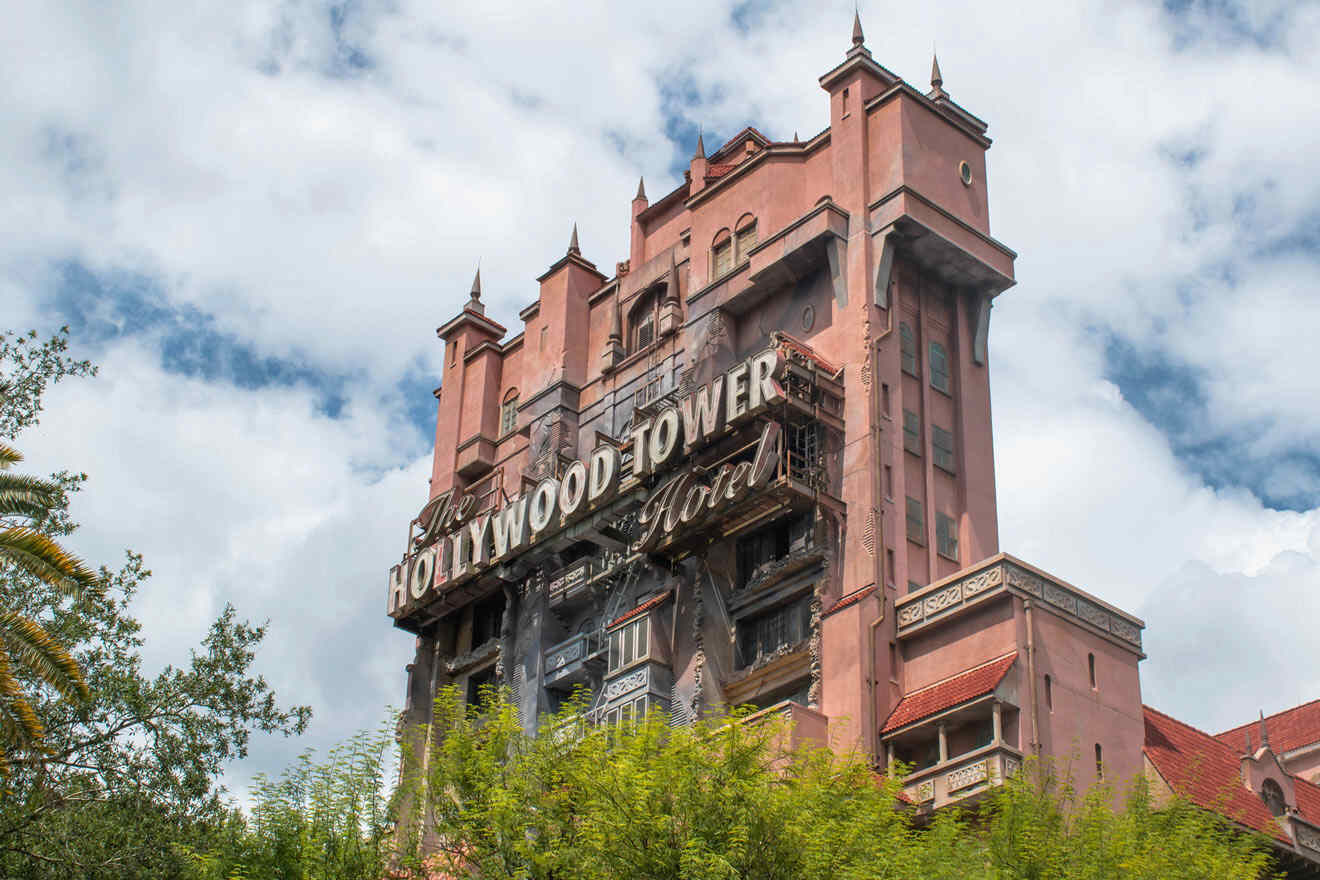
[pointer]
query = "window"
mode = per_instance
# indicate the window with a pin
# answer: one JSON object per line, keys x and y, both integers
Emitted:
{"x": 487, "y": 615}
{"x": 916, "y": 521}
{"x": 907, "y": 347}
{"x": 767, "y": 633}
{"x": 642, "y": 319}
{"x": 941, "y": 442}
{"x": 889, "y": 481}
{"x": 1272, "y": 795}
{"x": 911, "y": 432}
{"x": 629, "y": 643}
{"x": 1049, "y": 693}
{"x": 946, "y": 536}
{"x": 1099, "y": 763}
{"x": 939, "y": 368}
{"x": 509, "y": 412}
{"x": 721, "y": 255}
{"x": 1090, "y": 662}
{"x": 889, "y": 566}
{"x": 631, "y": 710}
{"x": 744, "y": 239}
{"x": 649, "y": 392}
{"x": 479, "y": 683}
{"x": 803, "y": 450}
{"x": 762, "y": 546}
{"x": 487, "y": 492}
{"x": 884, "y": 397}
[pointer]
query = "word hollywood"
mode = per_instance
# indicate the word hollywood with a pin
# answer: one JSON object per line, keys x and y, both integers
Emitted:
{"x": 476, "y": 542}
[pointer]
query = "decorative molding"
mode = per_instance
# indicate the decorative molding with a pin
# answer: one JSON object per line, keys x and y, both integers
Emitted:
{"x": 626, "y": 684}
{"x": 924, "y": 792}
{"x": 967, "y": 776}
{"x": 1308, "y": 838}
{"x": 919, "y": 610}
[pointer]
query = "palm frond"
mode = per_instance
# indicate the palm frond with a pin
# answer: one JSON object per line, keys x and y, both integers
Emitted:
{"x": 27, "y": 641}
{"x": 9, "y": 455}
{"x": 43, "y": 558}
{"x": 17, "y": 718}
{"x": 27, "y": 496}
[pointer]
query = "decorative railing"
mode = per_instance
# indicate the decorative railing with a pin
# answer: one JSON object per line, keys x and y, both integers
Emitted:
{"x": 565, "y": 661}
{"x": 962, "y": 776}
{"x": 571, "y": 581}
{"x": 1004, "y": 574}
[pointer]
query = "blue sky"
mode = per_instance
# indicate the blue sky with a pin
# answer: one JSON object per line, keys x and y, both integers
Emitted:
{"x": 254, "y": 215}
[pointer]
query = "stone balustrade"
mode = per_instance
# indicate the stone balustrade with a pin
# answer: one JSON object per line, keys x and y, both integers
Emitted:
{"x": 963, "y": 776}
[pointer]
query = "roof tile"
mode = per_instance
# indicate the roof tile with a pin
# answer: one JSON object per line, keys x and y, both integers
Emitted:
{"x": 968, "y": 685}
{"x": 1288, "y": 730}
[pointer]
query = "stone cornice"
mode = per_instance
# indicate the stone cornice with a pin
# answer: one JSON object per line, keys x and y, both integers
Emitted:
{"x": 1004, "y": 575}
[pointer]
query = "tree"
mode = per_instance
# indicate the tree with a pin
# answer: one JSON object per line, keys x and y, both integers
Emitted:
{"x": 726, "y": 798}
{"x": 132, "y": 771}
{"x": 24, "y": 643}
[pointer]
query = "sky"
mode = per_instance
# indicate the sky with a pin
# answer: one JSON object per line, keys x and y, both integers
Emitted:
{"x": 254, "y": 214}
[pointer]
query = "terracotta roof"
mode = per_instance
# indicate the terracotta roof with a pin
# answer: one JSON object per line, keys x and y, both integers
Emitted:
{"x": 641, "y": 609}
{"x": 1288, "y": 730}
{"x": 925, "y": 702}
{"x": 1308, "y": 799}
{"x": 806, "y": 351}
{"x": 1206, "y": 772}
{"x": 851, "y": 599}
{"x": 719, "y": 169}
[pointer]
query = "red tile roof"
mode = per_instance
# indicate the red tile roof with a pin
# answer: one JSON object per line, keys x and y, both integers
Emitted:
{"x": 1288, "y": 730}
{"x": 719, "y": 169}
{"x": 1205, "y": 771}
{"x": 1308, "y": 799}
{"x": 641, "y": 609}
{"x": 925, "y": 702}
{"x": 806, "y": 351}
{"x": 851, "y": 599}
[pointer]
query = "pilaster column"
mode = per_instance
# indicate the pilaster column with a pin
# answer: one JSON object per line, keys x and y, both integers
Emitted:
{"x": 944, "y": 744}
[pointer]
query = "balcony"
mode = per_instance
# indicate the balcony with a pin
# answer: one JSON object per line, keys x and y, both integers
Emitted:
{"x": 570, "y": 586}
{"x": 965, "y": 776}
{"x": 475, "y": 456}
{"x": 806, "y": 726}
{"x": 573, "y": 661}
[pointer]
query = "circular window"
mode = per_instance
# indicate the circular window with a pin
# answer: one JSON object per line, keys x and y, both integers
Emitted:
{"x": 965, "y": 173}
{"x": 808, "y": 317}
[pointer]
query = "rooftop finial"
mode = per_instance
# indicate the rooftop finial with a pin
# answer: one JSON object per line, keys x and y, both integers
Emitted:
{"x": 701, "y": 147}
{"x": 616, "y": 323}
{"x": 641, "y": 188}
{"x": 857, "y": 38}
{"x": 795, "y": 137}
{"x": 573, "y": 243}
{"x": 474, "y": 304}
{"x": 671, "y": 293}
{"x": 936, "y": 78}
{"x": 1264, "y": 732}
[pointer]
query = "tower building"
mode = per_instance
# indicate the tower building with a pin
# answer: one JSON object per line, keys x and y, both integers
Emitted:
{"x": 754, "y": 465}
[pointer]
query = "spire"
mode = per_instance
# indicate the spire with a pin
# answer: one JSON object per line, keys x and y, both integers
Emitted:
{"x": 641, "y": 188}
{"x": 936, "y": 78}
{"x": 1264, "y": 732}
{"x": 857, "y": 37}
{"x": 701, "y": 147}
{"x": 573, "y": 243}
{"x": 671, "y": 294}
{"x": 795, "y": 138}
{"x": 616, "y": 323}
{"x": 474, "y": 304}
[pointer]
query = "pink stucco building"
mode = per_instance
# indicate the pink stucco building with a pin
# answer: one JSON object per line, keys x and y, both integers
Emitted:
{"x": 753, "y": 464}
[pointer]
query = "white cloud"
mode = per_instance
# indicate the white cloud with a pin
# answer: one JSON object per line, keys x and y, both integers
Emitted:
{"x": 1155, "y": 172}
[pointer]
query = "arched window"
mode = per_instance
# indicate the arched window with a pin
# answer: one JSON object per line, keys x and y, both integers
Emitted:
{"x": 744, "y": 238}
{"x": 939, "y": 368}
{"x": 1272, "y": 794}
{"x": 509, "y": 411}
{"x": 907, "y": 348}
{"x": 642, "y": 320}
{"x": 721, "y": 254}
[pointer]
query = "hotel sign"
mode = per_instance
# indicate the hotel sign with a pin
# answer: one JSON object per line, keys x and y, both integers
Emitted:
{"x": 478, "y": 541}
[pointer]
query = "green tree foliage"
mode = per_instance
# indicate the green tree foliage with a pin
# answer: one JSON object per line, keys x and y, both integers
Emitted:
{"x": 132, "y": 770}
{"x": 728, "y": 799}
{"x": 317, "y": 821}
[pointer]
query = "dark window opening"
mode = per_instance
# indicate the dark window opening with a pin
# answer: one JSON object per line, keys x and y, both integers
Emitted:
{"x": 890, "y": 573}
{"x": 763, "y": 546}
{"x": 1090, "y": 662}
{"x": 479, "y": 685}
{"x": 1099, "y": 764}
{"x": 884, "y": 397}
{"x": 1049, "y": 693}
{"x": 774, "y": 630}
{"x": 889, "y": 481}
{"x": 1272, "y": 795}
{"x": 487, "y": 615}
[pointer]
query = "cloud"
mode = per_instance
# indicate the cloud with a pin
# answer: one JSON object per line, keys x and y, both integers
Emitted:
{"x": 254, "y": 214}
